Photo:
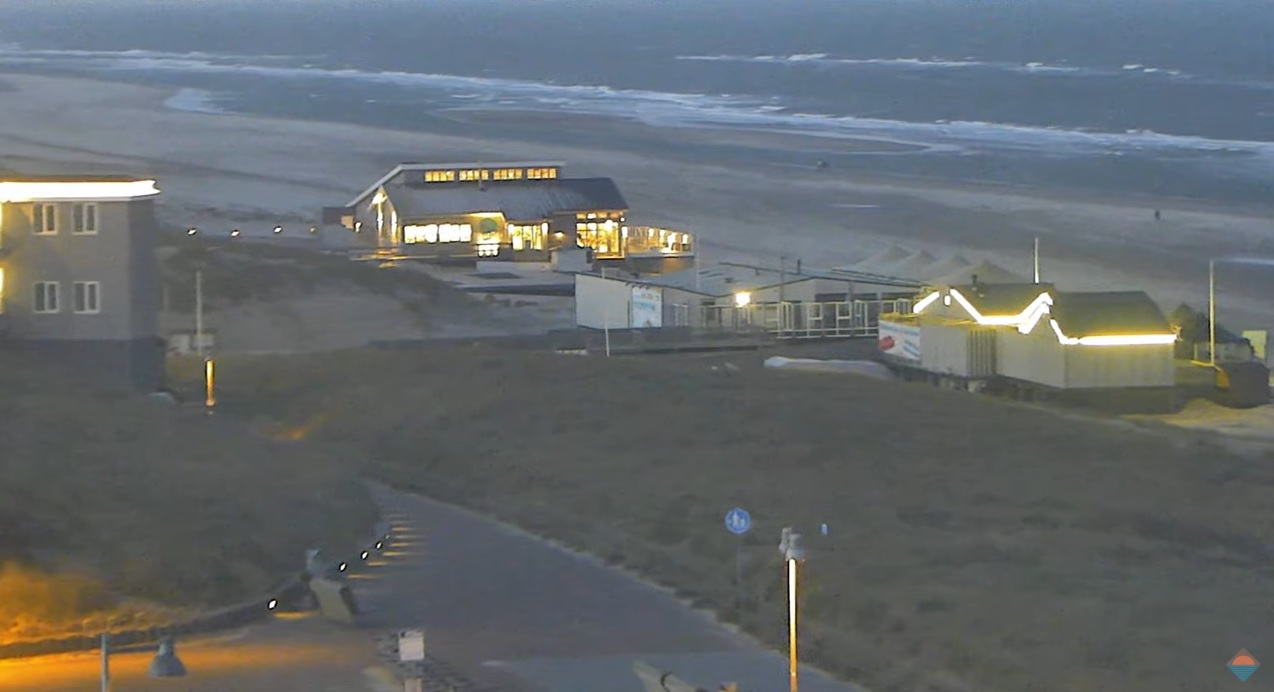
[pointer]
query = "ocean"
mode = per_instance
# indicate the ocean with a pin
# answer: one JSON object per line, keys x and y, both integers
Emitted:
{"x": 1161, "y": 97}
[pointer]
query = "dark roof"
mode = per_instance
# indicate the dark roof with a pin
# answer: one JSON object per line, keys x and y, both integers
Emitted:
{"x": 518, "y": 200}
{"x": 1118, "y": 312}
{"x": 1002, "y": 299}
{"x": 1193, "y": 327}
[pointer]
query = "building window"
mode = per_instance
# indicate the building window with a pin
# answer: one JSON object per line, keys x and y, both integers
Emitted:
{"x": 541, "y": 173}
{"x": 476, "y": 174}
{"x": 44, "y": 219}
{"x": 87, "y": 295}
{"x": 440, "y": 176}
{"x": 508, "y": 174}
{"x": 438, "y": 233}
{"x": 84, "y": 219}
{"x": 46, "y": 297}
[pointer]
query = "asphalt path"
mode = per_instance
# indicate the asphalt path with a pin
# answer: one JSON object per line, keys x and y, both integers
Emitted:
{"x": 282, "y": 655}
{"x": 505, "y": 606}
{"x": 509, "y": 610}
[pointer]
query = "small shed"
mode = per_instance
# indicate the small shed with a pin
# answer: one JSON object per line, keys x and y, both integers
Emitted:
{"x": 1091, "y": 341}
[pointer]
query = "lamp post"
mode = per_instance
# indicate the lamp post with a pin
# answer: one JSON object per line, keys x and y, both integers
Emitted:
{"x": 1212, "y": 313}
{"x": 164, "y": 665}
{"x": 793, "y": 553}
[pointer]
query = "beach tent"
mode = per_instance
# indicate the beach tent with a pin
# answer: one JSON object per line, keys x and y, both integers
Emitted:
{"x": 987, "y": 273}
{"x": 944, "y": 267}
{"x": 911, "y": 267}
{"x": 874, "y": 264}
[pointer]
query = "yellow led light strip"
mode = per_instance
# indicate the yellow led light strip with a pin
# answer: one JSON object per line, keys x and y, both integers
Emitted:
{"x": 1043, "y": 299}
{"x": 925, "y": 302}
{"x": 39, "y": 191}
{"x": 1113, "y": 339}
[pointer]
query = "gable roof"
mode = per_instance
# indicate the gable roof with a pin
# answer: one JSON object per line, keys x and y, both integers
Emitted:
{"x": 910, "y": 267}
{"x": 518, "y": 200}
{"x": 890, "y": 255}
{"x": 1106, "y": 313}
{"x": 1002, "y": 299}
{"x": 944, "y": 267}
{"x": 987, "y": 272}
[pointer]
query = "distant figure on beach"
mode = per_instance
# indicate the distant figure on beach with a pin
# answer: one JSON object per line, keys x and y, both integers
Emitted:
{"x": 1156, "y": 215}
{"x": 822, "y": 163}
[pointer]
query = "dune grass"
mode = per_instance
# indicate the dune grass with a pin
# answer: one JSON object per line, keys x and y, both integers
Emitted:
{"x": 116, "y": 508}
{"x": 974, "y": 544}
{"x": 235, "y": 273}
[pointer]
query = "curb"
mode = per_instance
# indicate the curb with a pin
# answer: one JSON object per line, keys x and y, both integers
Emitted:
{"x": 229, "y": 617}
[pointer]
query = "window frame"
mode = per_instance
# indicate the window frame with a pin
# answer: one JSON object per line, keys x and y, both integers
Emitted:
{"x": 96, "y": 307}
{"x": 44, "y": 218}
{"x": 80, "y": 214}
{"x": 39, "y": 294}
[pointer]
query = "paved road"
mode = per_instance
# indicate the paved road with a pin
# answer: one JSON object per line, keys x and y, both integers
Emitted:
{"x": 503, "y": 606}
{"x": 280, "y": 656}
{"x": 493, "y": 598}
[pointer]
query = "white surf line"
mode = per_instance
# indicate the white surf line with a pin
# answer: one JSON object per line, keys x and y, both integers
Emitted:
{"x": 857, "y": 206}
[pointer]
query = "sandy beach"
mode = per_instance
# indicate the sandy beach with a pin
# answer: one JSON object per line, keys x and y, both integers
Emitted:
{"x": 224, "y": 170}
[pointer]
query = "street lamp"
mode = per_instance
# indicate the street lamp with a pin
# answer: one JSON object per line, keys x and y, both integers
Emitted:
{"x": 164, "y": 665}
{"x": 1212, "y": 313}
{"x": 793, "y": 553}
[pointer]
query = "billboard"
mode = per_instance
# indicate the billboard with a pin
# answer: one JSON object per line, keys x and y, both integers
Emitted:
{"x": 900, "y": 340}
{"x": 647, "y": 307}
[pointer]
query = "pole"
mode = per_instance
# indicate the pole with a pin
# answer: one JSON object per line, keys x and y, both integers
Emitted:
{"x": 210, "y": 398}
{"x": 606, "y": 329}
{"x": 106, "y": 663}
{"x": 1212, "y": 312}
{"x": 1037, "y": 259}
{"x": 782, "y": 276}
{"x": 199, "y": 311}
{"x": 738, "y": 575}
{"x": 791, "y": 617}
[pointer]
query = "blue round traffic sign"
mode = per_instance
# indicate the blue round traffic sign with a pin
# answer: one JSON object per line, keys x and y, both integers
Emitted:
{"x": 738, "y": 521}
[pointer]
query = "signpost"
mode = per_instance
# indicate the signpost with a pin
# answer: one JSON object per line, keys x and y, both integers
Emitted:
{"x": 737, "y": 522}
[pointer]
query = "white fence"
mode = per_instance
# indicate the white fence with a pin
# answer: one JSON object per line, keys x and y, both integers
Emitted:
{"x": 844, "y": 319}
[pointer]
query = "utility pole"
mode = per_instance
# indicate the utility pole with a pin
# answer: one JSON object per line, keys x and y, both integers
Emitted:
{"x": 782, "y": 277}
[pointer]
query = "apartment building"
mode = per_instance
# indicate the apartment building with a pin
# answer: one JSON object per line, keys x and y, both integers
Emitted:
{"x": 79, "y": 279}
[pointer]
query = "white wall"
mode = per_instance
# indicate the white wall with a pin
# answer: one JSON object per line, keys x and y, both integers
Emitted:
{"x": 602, "y": 303}
{"x": 1035, "y": 357}
{"x": 1119, "y": 366}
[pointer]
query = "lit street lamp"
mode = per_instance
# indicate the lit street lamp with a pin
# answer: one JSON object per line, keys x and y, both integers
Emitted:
{"x": 1212, "y": 313}
{"x": 793, "y": 553}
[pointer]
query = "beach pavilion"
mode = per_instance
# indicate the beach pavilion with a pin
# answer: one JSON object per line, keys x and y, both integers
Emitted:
{"x": 513, "y": 210}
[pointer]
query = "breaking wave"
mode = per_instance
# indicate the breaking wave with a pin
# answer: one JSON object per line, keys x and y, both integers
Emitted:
{"x": 655, "y": 108}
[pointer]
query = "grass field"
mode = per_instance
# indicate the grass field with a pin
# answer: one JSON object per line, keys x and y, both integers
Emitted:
{"x": 121, "y": 510}
{"x": 974, "y": 544}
